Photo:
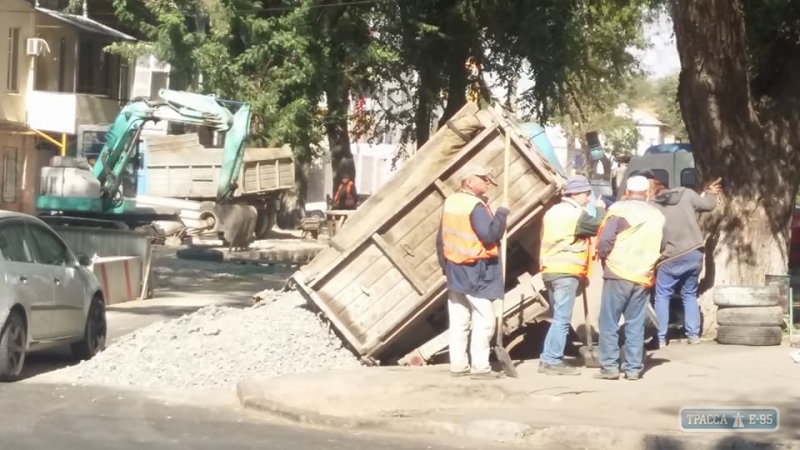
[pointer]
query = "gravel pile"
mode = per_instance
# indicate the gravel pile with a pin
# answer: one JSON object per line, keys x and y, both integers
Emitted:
{"x": 216, "y": 347}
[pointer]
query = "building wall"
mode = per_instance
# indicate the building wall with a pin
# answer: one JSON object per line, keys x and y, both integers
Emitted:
{"x": 20, "y": 164}
{"x": 51, "y": 74}
{"x": 16, "y": 14}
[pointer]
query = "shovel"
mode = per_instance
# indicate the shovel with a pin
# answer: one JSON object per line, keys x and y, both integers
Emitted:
{"x": 588, "y": 352}
{"x": 502, "y": 354}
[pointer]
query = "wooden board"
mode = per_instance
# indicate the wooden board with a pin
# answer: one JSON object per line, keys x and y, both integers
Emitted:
{"x": 380, "y": 280}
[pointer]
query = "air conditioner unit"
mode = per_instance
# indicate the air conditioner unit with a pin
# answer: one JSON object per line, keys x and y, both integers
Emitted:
{"x": 34, "y": 46}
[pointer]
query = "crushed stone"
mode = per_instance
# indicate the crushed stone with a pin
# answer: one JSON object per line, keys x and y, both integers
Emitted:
{"x": 217, "y": 347}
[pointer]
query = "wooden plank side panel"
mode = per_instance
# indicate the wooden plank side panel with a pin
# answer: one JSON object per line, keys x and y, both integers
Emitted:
{"x": 267, "y": 175}
{"x": 379, "y": 299}
{"x": 344, "y": 284}
{"x": 358, "y": 294}
{"x": 183, "y": 181}
{"x": 377, "y": 302}
{"x": 413, "y": 237}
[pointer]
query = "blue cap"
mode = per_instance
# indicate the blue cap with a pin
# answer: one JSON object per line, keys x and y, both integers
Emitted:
{"x": 577, "y": 184}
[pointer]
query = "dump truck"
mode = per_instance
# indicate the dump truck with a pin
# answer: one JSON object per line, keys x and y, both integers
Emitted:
{"x": 379, "y": 283}
{"x": 178, "y": 171}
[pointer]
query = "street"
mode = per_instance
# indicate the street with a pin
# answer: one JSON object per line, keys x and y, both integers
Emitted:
{"x": 82, "y": 418}
{"x": 76, "y": 416}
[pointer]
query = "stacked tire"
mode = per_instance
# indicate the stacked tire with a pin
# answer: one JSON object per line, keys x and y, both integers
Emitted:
{"x": 749, "y": 315}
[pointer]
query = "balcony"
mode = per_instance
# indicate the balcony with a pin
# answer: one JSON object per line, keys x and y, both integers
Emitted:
{"x": 75, "y": 81}
{"x": 60, "y": 112}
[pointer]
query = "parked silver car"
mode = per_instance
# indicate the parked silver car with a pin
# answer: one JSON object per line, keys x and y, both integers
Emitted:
{"x": 48, "y": 296}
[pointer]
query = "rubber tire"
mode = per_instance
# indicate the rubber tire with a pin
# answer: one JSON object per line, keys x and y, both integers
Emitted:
{"x": 753, "y": 336}
{"x": 11, "y": 373}
{"x": 267, "y": 216}
{"x": 740, "y": 296}
{"x": 751, "y": 316}
{"x": 84, "y": 350}
{"x": 200, "y": 254}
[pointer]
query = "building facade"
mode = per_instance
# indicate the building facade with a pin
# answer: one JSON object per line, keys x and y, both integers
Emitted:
{"x": 56, "y": 78}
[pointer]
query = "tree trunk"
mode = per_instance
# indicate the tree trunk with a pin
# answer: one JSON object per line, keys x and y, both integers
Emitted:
{"x": 336, "y": 127}
{"x": 737, "y": 137}
{"x": 293, "y": 201}
{"x": 426, "y": 90}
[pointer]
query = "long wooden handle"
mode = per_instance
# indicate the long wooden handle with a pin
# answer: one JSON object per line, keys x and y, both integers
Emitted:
{"x": 506, "y": 163}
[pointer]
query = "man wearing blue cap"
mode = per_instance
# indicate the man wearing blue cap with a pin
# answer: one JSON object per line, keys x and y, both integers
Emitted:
{"x": 564, "y": 263}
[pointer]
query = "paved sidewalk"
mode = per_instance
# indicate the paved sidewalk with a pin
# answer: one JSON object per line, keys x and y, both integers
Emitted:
{"x": 541, "y": 411}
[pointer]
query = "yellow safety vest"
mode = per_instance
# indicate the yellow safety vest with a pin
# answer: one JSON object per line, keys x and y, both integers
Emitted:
{"x": 561, "y": 251}
{"x": 638, "y": 248}
{"x": 461, "y": 244}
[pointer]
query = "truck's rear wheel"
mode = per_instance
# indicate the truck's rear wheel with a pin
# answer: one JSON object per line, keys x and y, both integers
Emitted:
{"x": 266, "y": 220}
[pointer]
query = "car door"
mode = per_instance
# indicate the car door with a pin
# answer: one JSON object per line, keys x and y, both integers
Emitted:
{"x": 69, "y": 293}
{"x": 30, "y": 283}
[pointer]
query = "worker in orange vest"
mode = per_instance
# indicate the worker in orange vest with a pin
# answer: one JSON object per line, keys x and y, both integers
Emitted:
{"x": 564, "y": 260}
{"x": 629, "y": 246}
{"x": 345, "y": 196}
{"x": 468, "y": 247}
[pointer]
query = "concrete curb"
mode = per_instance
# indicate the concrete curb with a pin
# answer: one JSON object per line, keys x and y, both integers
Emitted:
{"x": 251, "y": 397}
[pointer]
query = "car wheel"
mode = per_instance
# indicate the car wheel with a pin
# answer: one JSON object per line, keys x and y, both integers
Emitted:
{"x": 94, "y": 335}
{"x": 13, "y": 340}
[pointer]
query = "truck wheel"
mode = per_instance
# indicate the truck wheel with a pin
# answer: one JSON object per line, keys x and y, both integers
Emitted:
{"x": 13, "y": 341}
{"x": 266, "y": 220}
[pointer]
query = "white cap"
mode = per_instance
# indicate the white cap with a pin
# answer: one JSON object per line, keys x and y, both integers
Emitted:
{"x": 638, "y": 184}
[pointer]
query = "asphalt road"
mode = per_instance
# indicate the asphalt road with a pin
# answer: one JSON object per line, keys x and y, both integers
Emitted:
{"x": 37, "y": 416}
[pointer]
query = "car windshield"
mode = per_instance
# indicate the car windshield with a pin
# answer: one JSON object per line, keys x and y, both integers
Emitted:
{"x": 601, "y": 189}
{"x": 668, "y": 148}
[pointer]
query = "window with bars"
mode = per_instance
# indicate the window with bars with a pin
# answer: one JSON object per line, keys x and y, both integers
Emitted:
{"x": 9, "y": 174}
{"x": 12, "y": 75}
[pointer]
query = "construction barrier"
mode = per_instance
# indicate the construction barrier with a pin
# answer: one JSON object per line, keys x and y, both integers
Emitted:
{"x": 120, "y": 276}
{"x": 110, "y": 243}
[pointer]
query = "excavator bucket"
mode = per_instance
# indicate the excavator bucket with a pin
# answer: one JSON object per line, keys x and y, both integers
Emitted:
{"x": 234, "y": 153}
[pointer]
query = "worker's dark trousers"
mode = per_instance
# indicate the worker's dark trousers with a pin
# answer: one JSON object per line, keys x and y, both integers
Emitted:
{"x": 622, "y": 297}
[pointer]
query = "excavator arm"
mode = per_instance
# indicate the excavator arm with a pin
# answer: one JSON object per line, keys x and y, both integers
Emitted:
{"x": 178, "y": 106}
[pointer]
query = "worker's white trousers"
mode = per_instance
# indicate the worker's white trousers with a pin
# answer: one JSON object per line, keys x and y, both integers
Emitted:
{"x": 467, "y": 312}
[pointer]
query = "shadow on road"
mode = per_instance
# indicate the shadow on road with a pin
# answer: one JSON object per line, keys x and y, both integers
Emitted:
{"x": 47, "y": 361}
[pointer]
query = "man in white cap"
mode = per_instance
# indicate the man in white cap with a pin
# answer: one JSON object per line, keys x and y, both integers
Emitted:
{"x": 468, "y": 247}
{"x": 629, "y": 245}
{"x": 564, "y": 260}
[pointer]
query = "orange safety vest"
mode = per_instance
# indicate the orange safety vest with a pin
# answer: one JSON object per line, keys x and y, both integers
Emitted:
{"x": 461, "y": 244}
{"x": 638, "y": 248}
{"x": 349, "y": 200}
{"x": 561, "y": 251}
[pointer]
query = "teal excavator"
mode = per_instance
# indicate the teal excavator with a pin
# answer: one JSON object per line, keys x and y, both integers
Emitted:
{"x": 73, "y": 192}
